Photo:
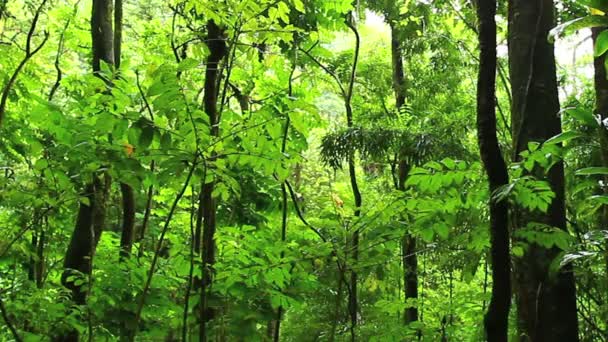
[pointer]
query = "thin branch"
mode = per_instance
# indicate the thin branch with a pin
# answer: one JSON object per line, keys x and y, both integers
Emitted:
{"x": 60, "y": 52}
{"x": 159, "y": 246}
{"x": 29, "y": 53}
{"x": 326, "y": 69}
{"x": 299, "y": 213}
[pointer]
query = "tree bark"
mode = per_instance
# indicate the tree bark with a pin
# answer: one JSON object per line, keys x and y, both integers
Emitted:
{"x": 601, "y": 108}
{"x": 91, "y": 216}
{"x": 398, "y": 71}
{"x": 353, "y": 302}
{"x": 127, "y": 193}
{"x": 217, "y": 51}
{"x": 101, "y": 32}
{"x": 546, "y": 304}
{"x": 128, "y": 220}
{"x": 408, "y": 243}
{"x": 497, "y": 317}
{"x": 117, "y": 39}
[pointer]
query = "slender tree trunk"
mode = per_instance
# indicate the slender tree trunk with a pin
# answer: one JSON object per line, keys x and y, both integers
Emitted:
{"x": 39, "y": 263}
{"x": 117, "y": 33}
{"x": 217, "y": 51}
{"x": 601, "y": 108}
{"x": 128, "y": 220}
{"x": 198, "y": 230}
{"x": 284, "y": 209}
{"x": 91, "y": 216}
{"x": 398, "y": 72}
{"x": 408, "y": 243}
{"x": 353, "y": 302}
{"x": 277, "y": 324}
{"x": 36, "y": 265}
{"x": 128, "y": 195}
{"x": 102, "y": 34}
{"x": 497, "y": 318}
{"x": 146, "y": 219}
{"x": 546, "y": 304}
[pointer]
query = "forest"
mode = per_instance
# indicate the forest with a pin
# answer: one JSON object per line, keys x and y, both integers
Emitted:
{"x": 303, "y": 170}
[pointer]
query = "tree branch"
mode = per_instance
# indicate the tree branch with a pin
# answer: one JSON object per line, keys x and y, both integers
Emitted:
{"x": 29, "y": 53}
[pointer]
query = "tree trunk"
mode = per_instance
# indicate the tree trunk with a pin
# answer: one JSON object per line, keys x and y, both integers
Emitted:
{"x": 408, "y": 243}
{"x": 353, "y": 302}
{"x": 128, "y": 220}
{"x": 601, "y": 108}
{"x": 101, "y": 32}
{"x": 128, "y": 195}
{"x": 78, "y": 260}
{"x": 91, "y": 216}
{"x": 217, "y": 51}
{"x": 398, "y": 71}
{"x": 546, "y": 304}
{"x": 497, "y": 318}
{"x": 117, "y": 32}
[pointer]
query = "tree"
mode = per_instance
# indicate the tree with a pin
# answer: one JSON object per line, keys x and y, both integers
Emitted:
{"x": 78, "y": 261}
{"x": 311, "y": 171}
{"x": 497, "y": 318}
{"x": 601, "y": 107}
{"x": 218, "y": 49}
{"x": 546, "y": 303}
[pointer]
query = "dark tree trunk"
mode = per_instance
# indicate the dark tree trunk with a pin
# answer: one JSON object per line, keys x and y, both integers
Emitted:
{"x": 398, "y": 71}
{"x": 497, "y": 318}
{"x": 198, "y": 230}
{"x": 353, "y": 301}
{"x": 117, "y": 32}
{"x": 546, "y": 304}
{"x": 128, "y": 220}
{"x": 601, "y": 108}
{"x": 217, "y": 51}
{"x": 78, "y": 259}
{"x": 91, "y": 216}
{"x": 146, "y": 219}
{"x": 101, "y": 32}
{"x": 126, "y": 191}
{"x": 408, "y": 243}
{"x": 410, "y": 276}
{"x": 37, "y": 263}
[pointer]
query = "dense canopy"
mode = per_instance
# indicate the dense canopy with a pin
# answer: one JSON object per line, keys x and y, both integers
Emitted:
{"x": 303, "y": 170}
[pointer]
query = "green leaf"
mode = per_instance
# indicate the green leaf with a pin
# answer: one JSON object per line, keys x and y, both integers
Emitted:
{"x": 601, "y": 5}
{"x": 581, "y": 114}
{"x": 147, "y": 134}
{"x": 427, "y": 234}
{"x": 187, "y": 64}
{"x": 41, "y": 164}
{"x": 442, "y": 230}
{"x": 299, "y": 6}
{"x": 601, "y": 44}
{"x": 590, "y": 171}
{"x": 574, "y": 25}
{"x": 165, "y": 141}
{"x": 563, "y": 137}
{"x": 518, "y": 251}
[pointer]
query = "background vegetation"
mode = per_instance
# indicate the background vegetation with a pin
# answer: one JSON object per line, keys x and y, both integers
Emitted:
{"x": 303, "y": 170}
